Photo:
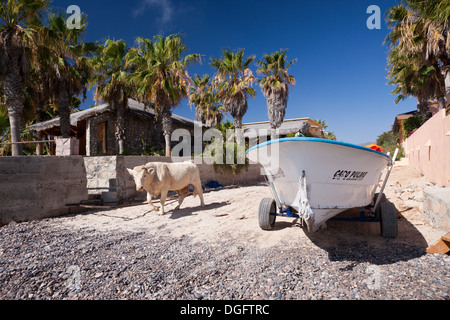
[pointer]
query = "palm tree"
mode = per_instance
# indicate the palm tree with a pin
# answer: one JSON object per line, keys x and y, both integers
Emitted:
{"x": 419, "y": 49}
{"x": 213, "y": 111}
{"x": 110, "y": 78}
{"x": 67, "y": 65}
{"x": 208, "y": 109}
{"x": 198, "y": 93}
{"x": 160, "y": 76}
{"x": 275, "y": 86}
{"x": 412, "y": 78}
{"x": 435, "y": 17}
{"x": 233, "y": 83}
{"x": 322, "y": 123}
{"x": 15, "y": 42}
{"x": 407, "y": 68}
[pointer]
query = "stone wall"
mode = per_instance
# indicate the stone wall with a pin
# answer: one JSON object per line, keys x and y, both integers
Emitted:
{"x": 141, "y": 133}
{"x": 67, "y": 146}
{"x": 107, "y": 176}
{"x": 103, "y": 176}
{"x": 40, "y": 187}
{"x": 91, "y": 134}
{"x": 436, "y": 208}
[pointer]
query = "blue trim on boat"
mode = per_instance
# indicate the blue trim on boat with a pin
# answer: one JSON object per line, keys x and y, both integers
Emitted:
{"x": 345, "y": 144}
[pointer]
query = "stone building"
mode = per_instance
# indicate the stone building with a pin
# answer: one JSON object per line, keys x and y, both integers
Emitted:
{"x": 94, "y": 130}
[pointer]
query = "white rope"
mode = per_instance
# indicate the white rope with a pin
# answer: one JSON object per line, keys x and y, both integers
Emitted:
{"x": 302, "y": 202}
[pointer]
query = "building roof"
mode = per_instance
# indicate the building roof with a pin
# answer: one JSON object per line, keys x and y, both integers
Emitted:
{"x": 288, "y": 126}
{"x": 76, "y": 117}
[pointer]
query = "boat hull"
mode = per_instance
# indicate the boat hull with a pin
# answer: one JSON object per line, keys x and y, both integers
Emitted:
{"x": 338, "y": 175}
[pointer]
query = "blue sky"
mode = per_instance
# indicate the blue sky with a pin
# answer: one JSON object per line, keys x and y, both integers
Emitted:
{"x": 341, "y": 66}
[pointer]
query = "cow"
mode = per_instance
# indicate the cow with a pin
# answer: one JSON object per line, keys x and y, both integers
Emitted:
{"x": 159, "y": 177}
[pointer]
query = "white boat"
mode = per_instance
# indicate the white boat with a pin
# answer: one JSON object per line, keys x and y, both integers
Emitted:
{"x": 316, "y": 179}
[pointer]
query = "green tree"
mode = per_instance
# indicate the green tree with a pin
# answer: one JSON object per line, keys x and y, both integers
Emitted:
{"x": 208, "y": 109}
{"x": 419, "y": 49}
{"x": 233, "y": 82}
{"x": 275, "y": 86}
{"x": 389, "y": 142}
{"x": 65, "y": 61}
{"x": 16, "y": 42}
{"x": 160, "y": 76}
{"x": 111, "y": 82}
{"x": 198, "y": 94}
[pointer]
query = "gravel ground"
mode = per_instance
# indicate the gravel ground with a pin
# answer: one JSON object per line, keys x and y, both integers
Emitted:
{"x": 48, "y": 260}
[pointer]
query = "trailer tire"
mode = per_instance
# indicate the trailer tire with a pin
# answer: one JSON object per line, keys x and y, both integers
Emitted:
{"x": 388, "y": 223}
{"x": 265, "y": 218}
{"x": 383, "y": 200}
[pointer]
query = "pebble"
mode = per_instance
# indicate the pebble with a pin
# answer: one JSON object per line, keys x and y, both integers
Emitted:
{"x": 43, "y": 260}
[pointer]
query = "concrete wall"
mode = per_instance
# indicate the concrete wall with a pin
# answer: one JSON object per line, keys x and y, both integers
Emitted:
{"x": 40, "y": 187}
{"x": 428, "y": 149}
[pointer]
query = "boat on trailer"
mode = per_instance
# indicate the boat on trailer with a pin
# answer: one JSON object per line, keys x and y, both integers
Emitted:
{"x": 316, "y": 179}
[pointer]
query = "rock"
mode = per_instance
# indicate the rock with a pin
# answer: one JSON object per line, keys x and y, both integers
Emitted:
{"x": 198, "y": 296}
{"x": 164, "y": 266}
{"x": 418, "y": 196}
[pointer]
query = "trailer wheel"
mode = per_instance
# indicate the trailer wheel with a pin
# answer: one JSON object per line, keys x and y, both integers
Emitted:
{"x": 383, "y": 200}
{"x": 388, "y": 223}
{"x": 266, "y": 207}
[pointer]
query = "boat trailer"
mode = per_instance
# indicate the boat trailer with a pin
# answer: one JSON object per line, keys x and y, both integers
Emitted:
{"x": 381, "y": 211}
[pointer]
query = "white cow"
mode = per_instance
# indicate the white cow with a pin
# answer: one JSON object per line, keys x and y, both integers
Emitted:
{"x": 159, "y": 177}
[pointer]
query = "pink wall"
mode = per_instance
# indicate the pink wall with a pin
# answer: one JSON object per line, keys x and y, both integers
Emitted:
{"x": 428, "y": 149}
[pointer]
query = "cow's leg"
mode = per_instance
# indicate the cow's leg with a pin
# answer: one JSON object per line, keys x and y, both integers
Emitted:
{"x": 198, "y": 189}
{"x": 163, "y": 200}
{"x": 181, "y": 195}
{"x": 149, "y": 201}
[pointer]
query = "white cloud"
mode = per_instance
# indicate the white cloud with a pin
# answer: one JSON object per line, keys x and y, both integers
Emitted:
{"x": 164, "y": 6}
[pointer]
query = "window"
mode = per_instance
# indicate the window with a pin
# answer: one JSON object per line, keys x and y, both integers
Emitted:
{"x": 101, "y": 138}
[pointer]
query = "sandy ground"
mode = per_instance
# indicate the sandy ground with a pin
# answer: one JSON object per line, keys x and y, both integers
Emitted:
{"x": 232, "y": 214}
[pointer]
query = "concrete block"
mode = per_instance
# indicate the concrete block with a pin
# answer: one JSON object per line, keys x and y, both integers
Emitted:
{"x": 40, "y": 187}
{"x": 436, "y": 208}
{"x": 67, "y": 146}
{"x": 110, "y": 197}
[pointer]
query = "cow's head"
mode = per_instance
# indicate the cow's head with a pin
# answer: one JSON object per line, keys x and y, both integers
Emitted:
{"x": 140, "y": 175}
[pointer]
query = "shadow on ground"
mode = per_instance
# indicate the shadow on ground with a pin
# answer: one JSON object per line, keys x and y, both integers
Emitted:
{"x": 362, "y": 241}
{"x": 185, "y": 212}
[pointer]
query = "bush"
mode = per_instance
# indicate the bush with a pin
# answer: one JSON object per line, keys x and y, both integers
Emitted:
{"x": 389, "y": 142}
{"x": 410, "y": 125}
{"x": 232, "y": 148}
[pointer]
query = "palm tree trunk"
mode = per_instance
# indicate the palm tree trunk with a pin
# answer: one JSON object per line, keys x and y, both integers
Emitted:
{"x": 198, "y": 114}
{"x": 446, "y": 72}
{"x": 39, "y": 146}
{"x": 14, "y": 99}
{"x": 441, "y": 103}
{"x": 14, "y": 123}
{"x": 238, "y": 129}
{"x": 166, "y": 120}
{"x": 276, "y": 108}
{"x": 120, "y": 132}
{"x": 274, "y": 134}
{"x": 64, "y": 113}
{"x": 240, "y": 141}
{"x": 422, "y": 109}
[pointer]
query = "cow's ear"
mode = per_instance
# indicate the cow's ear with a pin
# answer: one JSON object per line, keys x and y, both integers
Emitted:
{"x": 130, "y": 171}
{"x": 151, "y": 170}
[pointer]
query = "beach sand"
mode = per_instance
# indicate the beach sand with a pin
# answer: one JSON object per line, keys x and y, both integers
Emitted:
{"x": 233, "y": 214}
